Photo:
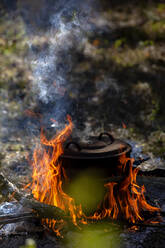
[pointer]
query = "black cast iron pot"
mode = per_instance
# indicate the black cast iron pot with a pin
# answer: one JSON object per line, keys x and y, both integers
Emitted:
{"x": 101, "y": 153}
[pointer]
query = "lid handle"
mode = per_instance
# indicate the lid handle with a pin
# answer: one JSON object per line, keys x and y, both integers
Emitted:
{"x": 73, "y": 143}
{"x": 107, "y": 134}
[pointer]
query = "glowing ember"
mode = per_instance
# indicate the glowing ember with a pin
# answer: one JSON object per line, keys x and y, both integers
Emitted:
{"x": 124, "y": 199}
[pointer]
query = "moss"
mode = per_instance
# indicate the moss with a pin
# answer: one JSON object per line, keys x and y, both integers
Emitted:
{"x": 161, "y": 7}
{"x": 129, "y": 57}
{"x": 156, "y": 142}
{"x": 155, "y": 30}
{"x": 120, "y": 42}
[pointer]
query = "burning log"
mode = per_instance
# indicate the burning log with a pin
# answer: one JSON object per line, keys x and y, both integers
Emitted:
{"x": 27, "y": 200}
{"x": 41, "y": 210}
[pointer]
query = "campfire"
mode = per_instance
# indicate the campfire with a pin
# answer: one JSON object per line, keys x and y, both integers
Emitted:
{"x": 124, "y": 198}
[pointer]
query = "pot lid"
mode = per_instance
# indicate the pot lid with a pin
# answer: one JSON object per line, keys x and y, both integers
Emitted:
{"x": 103, "y": 146}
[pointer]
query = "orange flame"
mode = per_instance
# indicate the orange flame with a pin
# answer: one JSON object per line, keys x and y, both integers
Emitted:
{"x": 47, "y": 180}
{"x": 124, "y": 125}
{"x": 124, "y": 199}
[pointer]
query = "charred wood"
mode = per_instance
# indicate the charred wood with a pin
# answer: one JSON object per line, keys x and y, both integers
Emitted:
{"x": 16, "y": 218}
{"x": 42, "y": 210}
{"x": 27, "y": 200}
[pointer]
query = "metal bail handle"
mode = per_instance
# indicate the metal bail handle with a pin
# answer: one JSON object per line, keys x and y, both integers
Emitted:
{"x": 73, "y": 143}
{"x": 111, "y": 138}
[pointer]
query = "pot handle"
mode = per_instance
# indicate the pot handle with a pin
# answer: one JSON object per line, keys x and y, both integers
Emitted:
{"x": 73, "y": 143}
{"x": 107, "y": 134}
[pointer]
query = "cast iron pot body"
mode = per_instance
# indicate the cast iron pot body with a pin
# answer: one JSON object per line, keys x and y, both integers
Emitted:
{"x": 101, "y": 154}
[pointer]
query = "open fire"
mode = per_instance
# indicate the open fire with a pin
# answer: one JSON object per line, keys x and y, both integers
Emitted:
{"x": 123, "y": 200}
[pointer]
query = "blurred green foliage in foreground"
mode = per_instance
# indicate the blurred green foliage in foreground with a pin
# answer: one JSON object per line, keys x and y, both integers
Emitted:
{"x": 29, "y": 243}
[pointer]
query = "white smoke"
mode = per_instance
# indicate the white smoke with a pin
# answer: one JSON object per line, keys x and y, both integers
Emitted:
{"x": 51, "y": 66}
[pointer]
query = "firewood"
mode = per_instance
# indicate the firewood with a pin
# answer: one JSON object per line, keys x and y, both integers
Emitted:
{"x": 43, "y": 210}
{"x": 16, "y": 218}
{"x": 27, "y": 200}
